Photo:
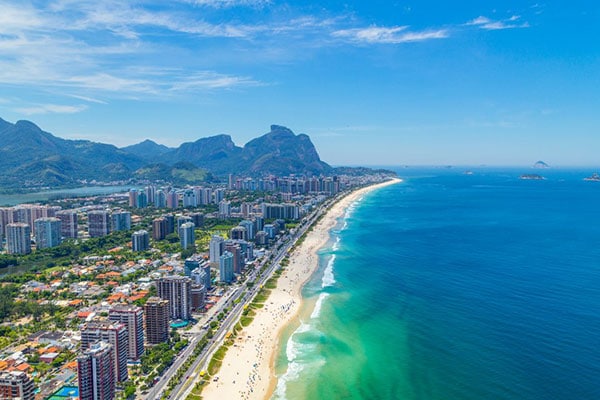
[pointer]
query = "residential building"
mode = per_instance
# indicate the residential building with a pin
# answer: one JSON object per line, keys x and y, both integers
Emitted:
{"x": 198, "y": 297}
{"x": 47, "y": 232}
{"x": 172, "y": 199}
{"x": 160, "y": 199}
{"x": 224, "y": 209}
{"x": 226, "y": 267}
{"x": 98, "y": 223}
{"x": 18, "y": 238}
{"x": 216, "y": 248}
{"x": 156, "y": 314}
{"x": 159, "y": 228}
{"x": 121, "y": 221}
{"x": 68, "y": 227}
{"x": 239, "y": 233}
{"x": 140, "y": 240}
{"x": 187, "y": 236}
{"x": 16, "y": 385}
{"x": 133, "y": 318}
{"x": 96, "y": 372}
{"x": 177, "y": 290}
{"x": 114, "y": 333}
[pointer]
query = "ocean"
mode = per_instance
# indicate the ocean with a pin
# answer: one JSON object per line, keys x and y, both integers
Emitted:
{"x": 453, "y": 286}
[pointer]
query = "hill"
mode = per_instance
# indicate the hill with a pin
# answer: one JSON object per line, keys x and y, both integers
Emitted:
{"x": 33, "y": 158}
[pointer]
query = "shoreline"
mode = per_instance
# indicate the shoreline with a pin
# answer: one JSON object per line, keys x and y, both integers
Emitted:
{"x": 248, "y": 369}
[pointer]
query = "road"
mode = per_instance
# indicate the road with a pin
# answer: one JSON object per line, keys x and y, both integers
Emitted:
{"x": 280, "y": 249}
{"x": 185, "y": 386}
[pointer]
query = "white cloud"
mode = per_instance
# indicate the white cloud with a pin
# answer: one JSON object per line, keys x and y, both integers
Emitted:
{"x": 212, "y": 80}
{"x": 51, "y": 109}
{"x": 229, "y": 3}
{"x": 490, "y": 25}
{"x": 393, "y": 35}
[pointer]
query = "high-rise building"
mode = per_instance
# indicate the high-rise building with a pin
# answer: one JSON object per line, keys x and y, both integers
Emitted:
{"x": 140, "y": 240}
{"x": 205, "y": 196}
{"x": 224, "y": 209}
{"x": 96, "y": 372}
{"x": 218, "y": 195}
{"x": 133, "y": 318}
{"x": 198, "y": 297}
{"x": 250, "y": 229}
{"x": 160, "y": 199}
{"x": 197, "y": 219}
{"x": 182, "y": 219}
{"x": 133, "y": 197}
{"x": 47, "y": 232}
{"x": 156, "y": 314}
{"x": 187, "y": 236}
{"x": 172, "y": 199}
{"x": 142, "y": 200}
{"x": 121, "y": 221}
{"x": 68, "y": 219}
{"x": 16, "y": 385}
{"x": 226, "y": 267}
{"x": 191, "y": 264}
{"x": 178, "y": 290}
{"x": 238, "y": 233}
{"x": 189, "y": 198}
{"x": 150, "y": 193}
{"x": 238, "y": 257}
{"x": 159, "y": 228}
{"x": 201, "y": 275}
{"x": 170, "y": 223}
{"x": 215, "y": 248}
{"x": 18, "y": 238}
{"x": 261, "y": 238}
{"x": 98, "y": 223}
{"x": 114, "y": 333}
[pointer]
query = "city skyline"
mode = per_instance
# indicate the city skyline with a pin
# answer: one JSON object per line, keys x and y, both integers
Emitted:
{"x": 372, "y": 84}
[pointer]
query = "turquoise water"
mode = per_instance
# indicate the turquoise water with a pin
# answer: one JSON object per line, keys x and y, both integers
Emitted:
{"x": 179, "y": 324}
{"x": 66, "y": 392}
{"x": 451, "y": 286}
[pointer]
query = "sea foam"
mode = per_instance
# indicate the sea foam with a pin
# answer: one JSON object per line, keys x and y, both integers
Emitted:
{"x": 318, "y": 305}
{"x": 328, "y": 277}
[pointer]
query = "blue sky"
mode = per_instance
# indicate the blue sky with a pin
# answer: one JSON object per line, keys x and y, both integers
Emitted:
{"x": 372, "y": 82}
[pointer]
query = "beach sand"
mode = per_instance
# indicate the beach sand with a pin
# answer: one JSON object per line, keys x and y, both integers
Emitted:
{"x": 248, "y": 367}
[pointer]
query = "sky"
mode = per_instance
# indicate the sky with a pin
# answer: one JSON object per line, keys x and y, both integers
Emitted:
{"x": 371, "y": 82}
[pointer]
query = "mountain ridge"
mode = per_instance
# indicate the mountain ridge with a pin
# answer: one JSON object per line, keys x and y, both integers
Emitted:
{"x": 32, "y": 157}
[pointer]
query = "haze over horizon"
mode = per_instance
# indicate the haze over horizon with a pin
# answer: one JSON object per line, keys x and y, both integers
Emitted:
{"x": 504, "y": 83}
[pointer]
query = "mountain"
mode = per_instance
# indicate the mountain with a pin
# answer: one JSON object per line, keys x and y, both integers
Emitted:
{"x": 279, "y": 151}
{"x": 31, "y": 157}
{"x": 215, "y": 153}
{"x": 144, "y": 149}
{"x": 541, "y": 165}
{"x": 282, "y": 152}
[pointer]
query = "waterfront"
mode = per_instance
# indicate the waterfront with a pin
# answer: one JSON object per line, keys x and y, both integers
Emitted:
{"x": 454, "y": 286}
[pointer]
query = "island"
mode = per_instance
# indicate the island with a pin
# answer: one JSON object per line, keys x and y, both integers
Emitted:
{"x": 594, "y": 177}
{"x": 531, "y": 177}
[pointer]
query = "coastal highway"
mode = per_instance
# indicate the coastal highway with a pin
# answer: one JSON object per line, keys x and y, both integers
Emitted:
{"x": 184, "y": 387}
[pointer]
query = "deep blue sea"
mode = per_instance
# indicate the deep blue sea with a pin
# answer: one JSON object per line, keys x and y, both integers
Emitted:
{"x": 452, "y": 286}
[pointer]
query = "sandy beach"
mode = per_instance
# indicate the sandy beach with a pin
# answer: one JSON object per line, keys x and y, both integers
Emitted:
{"x": 248, "y": 367}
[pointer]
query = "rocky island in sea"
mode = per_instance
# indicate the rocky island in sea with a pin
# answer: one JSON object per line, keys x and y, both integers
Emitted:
{"x": 594, "y": 177}
{"x": 531, "y": 177}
